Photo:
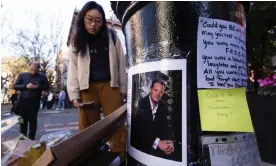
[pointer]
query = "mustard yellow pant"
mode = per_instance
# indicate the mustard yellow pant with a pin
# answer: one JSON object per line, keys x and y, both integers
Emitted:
{"x": 109, "y": 100}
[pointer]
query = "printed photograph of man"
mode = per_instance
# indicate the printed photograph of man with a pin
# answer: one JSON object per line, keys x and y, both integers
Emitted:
{"x": 149, "y": 127}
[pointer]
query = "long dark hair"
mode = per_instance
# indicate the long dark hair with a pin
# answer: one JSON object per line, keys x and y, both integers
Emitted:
{"x": 80, "y": 38}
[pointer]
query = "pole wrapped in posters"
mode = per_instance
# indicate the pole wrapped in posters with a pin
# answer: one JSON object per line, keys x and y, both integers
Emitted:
{"x": 156, "y": 108}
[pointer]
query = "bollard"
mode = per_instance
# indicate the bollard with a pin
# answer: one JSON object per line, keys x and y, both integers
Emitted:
{"x": 198, "y": 50}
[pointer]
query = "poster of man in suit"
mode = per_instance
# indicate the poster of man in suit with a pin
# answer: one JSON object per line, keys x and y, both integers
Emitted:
{"x": 155, "y": 115}
{"x": 151, "y": 121}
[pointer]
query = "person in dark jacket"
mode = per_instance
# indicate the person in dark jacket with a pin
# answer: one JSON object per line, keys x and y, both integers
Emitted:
{"x": 149, "y": 127}
{"x": 30, "y": 84}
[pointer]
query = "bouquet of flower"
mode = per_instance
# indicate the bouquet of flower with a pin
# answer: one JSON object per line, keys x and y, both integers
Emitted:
{"x": 267, "y": 86}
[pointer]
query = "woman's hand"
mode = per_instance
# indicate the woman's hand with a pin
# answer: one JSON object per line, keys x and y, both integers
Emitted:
{"x": 77, "y": 103}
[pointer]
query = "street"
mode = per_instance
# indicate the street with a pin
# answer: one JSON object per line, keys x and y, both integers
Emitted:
{"x": 48, "y": 121}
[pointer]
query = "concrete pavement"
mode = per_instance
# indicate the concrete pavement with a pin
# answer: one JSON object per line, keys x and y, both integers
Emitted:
{"x": 49, "y": 121}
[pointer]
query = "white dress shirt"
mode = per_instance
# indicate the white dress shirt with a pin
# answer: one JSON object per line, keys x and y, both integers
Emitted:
{"x": 153, "y": 111}
{"x": 153, "y": 108}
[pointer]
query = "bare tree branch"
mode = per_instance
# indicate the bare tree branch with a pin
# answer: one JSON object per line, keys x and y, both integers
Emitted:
{"x": 4, "y": 22}
{"x": 4, "y": 80}
{"x": 39, "y": 44}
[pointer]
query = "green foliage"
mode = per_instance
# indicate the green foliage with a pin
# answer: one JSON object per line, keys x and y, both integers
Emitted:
{"x": 11, "y": 67}
{"x": 39, "y": 41}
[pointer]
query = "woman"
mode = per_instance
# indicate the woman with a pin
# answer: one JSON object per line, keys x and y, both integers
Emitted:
{"x": 97, "y": 71}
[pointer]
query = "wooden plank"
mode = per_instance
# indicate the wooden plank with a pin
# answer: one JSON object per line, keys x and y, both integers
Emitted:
{"x": 69, "y": 150}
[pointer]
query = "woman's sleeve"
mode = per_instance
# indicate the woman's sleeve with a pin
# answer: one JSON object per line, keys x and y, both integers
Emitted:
{"x": 122, "y": 66}
{"x": 73, "y": 82}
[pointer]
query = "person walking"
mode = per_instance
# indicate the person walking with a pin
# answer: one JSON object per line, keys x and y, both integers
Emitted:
{"x": 61, "y": 100}
{"x": 30, "y": 84}
{"x": 97, "y": 71}
{"x": 50, "y": 100}
{"x": 43, "y": 93}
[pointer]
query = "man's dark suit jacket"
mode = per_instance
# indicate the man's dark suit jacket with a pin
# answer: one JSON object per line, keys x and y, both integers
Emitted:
{"x": 144, "y": 130}
{"x": 30, "y": 98}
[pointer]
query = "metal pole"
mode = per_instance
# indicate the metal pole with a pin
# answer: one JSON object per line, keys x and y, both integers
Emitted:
{"x": 160, "y": 36}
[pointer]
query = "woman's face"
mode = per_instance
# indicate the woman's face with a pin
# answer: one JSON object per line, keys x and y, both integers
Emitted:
{"x": 93, "y": 21}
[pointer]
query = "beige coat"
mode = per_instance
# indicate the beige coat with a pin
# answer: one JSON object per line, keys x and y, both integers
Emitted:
{"x": 79, "y": 70}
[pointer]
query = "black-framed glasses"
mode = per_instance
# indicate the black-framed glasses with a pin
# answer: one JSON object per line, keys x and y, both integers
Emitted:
{"x": 91, "y": 20}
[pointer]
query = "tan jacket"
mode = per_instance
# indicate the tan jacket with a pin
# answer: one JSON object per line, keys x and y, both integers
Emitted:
{"x": 79, "y": 70}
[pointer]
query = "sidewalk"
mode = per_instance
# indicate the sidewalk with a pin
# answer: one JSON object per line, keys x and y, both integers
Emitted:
{"x": 5, "y": 108}
{"x": 54, "y": 111}
{"x": 8, "y": 124}
{"x": 5, "y": 111}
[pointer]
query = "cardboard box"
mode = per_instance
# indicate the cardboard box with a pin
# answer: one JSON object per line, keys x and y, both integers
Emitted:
{"x": 71, "y": 149}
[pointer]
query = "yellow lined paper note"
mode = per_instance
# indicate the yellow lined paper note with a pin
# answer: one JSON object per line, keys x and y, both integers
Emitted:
{"x": 224, "y": 110}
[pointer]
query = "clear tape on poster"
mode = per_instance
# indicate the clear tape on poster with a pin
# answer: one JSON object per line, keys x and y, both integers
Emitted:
{"x": 167, "y": 49}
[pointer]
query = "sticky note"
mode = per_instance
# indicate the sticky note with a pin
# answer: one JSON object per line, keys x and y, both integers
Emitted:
{"x": 224, "y": 110}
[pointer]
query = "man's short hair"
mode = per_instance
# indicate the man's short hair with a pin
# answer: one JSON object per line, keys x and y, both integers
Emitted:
{"x": 35, "y": 63}
{"x": 157, "y": 81}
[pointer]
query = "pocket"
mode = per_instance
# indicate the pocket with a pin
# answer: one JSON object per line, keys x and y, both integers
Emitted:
{"x": 89, "y": 95}
{"x": 84, "y": 94}
{"x": 115, "y": 91}
{"x": 114, "y": 96}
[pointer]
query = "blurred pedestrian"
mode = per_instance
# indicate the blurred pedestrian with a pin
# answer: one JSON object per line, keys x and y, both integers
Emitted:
{"x": 30, "y": 85}
{"x": 55, "y": 102}
{"x": 61, "y": 100}
{"x": 50, "y": 100}
{"x": 44, "y": 100}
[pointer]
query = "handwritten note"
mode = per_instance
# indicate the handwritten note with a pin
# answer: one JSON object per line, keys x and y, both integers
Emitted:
{"x": 221, "y": 54}
{"x": 244, "y": 153}
{"x": 224, "y": 110}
